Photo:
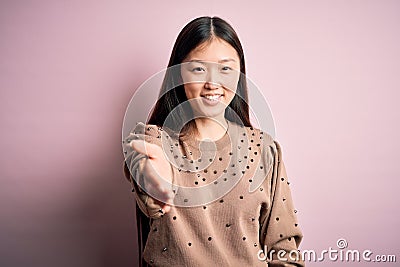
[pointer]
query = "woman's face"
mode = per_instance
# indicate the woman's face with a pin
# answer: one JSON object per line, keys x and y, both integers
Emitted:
{"x": 210, "y": 74}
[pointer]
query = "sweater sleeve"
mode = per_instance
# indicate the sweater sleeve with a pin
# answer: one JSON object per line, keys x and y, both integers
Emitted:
{"x": 134, "y": 165}
{"x": 280, "y": 233}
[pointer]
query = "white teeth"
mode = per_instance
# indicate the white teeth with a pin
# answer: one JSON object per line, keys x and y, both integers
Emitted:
{"x": 212, "y": 97}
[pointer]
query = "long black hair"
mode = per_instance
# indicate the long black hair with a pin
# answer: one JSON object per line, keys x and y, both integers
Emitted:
{"x": 195, "y": 33}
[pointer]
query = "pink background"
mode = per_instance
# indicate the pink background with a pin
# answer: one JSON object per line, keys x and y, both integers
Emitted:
{"x": 329, "y": 70}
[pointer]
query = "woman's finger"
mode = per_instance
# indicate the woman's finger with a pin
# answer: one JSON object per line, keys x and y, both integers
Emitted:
{"x": 156, "y": 193}
{"x": 152, "y": 175}
{"x": 166, "y": 208}
{"x": 145, "y": 148}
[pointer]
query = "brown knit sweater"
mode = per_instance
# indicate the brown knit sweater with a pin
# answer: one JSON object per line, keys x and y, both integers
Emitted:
{"x": 232, "y": 199}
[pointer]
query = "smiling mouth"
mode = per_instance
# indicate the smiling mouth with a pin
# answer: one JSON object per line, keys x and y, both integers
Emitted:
{"x": 214, "y": 97}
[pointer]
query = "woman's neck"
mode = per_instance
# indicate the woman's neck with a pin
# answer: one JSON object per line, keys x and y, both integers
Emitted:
{"x": 211, "y": 128}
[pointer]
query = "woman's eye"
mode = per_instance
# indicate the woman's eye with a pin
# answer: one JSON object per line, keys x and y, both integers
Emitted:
{"x": 226, "y": 68}
{"x": 198, "y": 69}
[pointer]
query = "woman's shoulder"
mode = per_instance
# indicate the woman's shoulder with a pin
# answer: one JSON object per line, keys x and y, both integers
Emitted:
{"x": 256, "y": 135}
{"x": 265, "y": 141}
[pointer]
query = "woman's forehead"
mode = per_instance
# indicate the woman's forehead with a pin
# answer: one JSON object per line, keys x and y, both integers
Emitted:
{"x": 215, "y": 50}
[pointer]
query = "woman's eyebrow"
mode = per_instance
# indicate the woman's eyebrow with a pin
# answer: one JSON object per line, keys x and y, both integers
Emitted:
{"x": 197, "y": 60}
{"x": 226, "y": 60}
{"x": 219, "y": 61}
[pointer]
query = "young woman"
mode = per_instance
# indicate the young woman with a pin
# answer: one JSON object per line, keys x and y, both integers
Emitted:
{"x": 210, "y": 189}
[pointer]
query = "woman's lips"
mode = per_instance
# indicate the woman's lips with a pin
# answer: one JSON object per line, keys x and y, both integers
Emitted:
{"x": 211, "y": 100}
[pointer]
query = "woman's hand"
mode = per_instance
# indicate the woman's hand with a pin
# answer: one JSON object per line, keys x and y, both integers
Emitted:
{"x": 156, "y": 168}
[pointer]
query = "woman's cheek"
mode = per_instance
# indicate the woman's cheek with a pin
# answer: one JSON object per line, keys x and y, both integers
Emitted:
{"x": 230, "y": 98}
{"x": 192, "y": 90}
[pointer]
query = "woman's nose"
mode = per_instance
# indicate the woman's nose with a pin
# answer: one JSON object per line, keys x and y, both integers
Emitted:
{"x": 212, "y": 79}
{"x": 211, "y": 85}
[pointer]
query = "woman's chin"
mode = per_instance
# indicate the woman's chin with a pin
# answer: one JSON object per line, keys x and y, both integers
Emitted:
{"x": 211, "y": 112}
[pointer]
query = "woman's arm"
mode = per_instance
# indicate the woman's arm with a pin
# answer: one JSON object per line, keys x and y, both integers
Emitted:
{"x": 280, "y": 233}
{"x": 139, "y": 169}
{"x": 151, "y": 207}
